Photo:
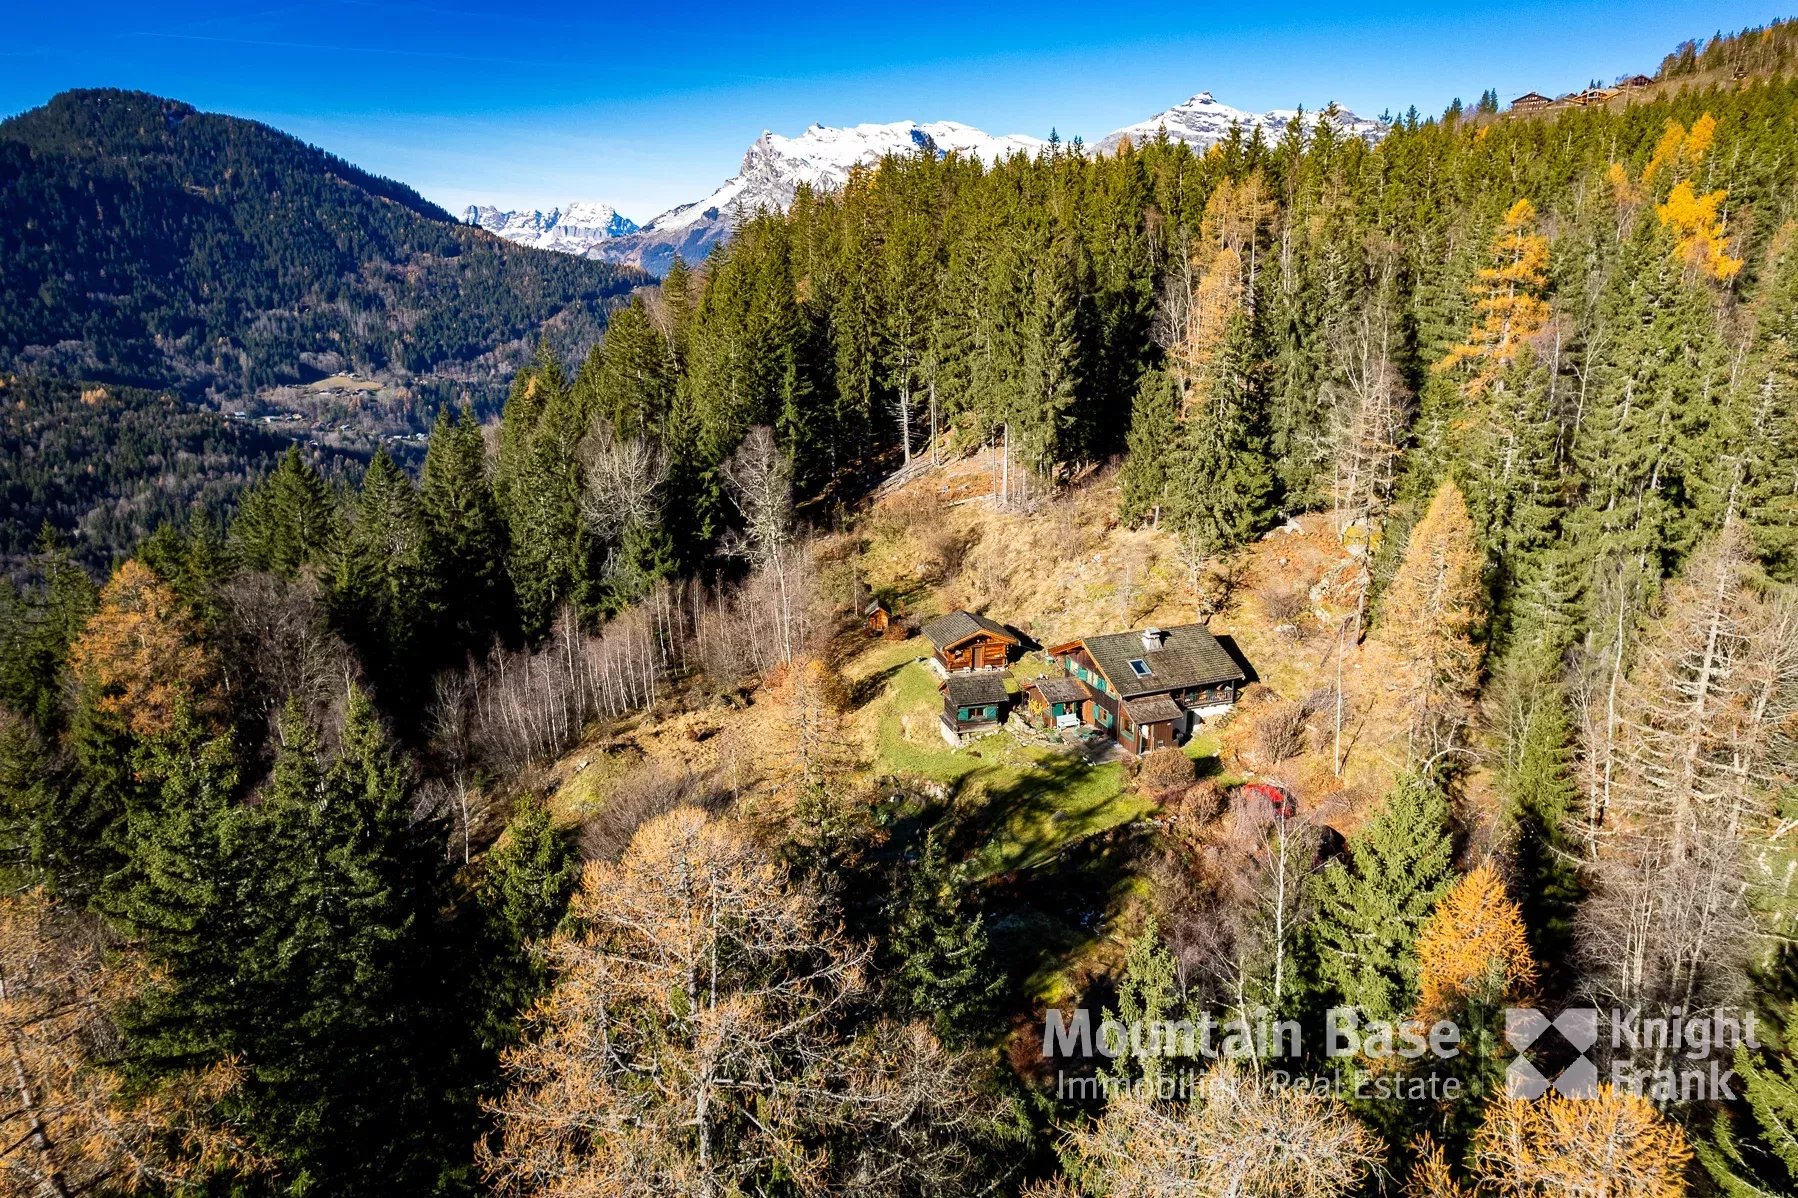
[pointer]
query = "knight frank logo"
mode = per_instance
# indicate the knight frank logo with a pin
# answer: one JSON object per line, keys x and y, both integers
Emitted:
{"x": 1524, "y": 1029}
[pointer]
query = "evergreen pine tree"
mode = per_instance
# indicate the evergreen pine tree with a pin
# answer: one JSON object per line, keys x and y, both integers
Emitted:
{"x": 287, "y": 521}
{"x": 527, "y": 878}
{"x": 1754, "y": 1153}
{"x": 1154, "y": 437}
{"x": 467, "y": 537}
{"x": 382, "y": 596}
{"x": 937, "y": 944}
{"x": 1223, "y": 485}
{"x": 1761, "y": 440}
{"x": 37, "y": 629}
{"x": 1371, "y": 906}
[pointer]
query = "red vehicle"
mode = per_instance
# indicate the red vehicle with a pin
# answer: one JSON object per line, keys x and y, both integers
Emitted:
{"x": 1284, "y": 805}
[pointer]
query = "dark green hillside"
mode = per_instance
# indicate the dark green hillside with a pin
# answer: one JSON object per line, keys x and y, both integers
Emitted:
{"x": 105, "y": 466}
{"x": 143, "y": 242}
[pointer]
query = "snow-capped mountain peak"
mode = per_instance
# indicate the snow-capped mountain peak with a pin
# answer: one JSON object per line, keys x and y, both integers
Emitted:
{"x": 1203, "y": 122}
{"x": 822, "y": 157}
{"x": 573, "y": 228}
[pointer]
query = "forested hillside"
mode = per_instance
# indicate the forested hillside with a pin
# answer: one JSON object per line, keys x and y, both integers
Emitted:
{"x": 145, "y": 243}
{"x": 106, "y": 466}
{"x": 552, "y": 825}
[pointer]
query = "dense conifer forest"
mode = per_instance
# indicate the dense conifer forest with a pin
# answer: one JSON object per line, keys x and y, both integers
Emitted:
{"x": 105, "y": 466}
{"x": 300, "y": 898}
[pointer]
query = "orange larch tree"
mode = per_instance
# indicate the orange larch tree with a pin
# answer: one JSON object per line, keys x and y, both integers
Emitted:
{"x": 1429, "y": 620}
{"x": 1613, "y": 1145}
{"x": 1510, "y": 306}
{"x": 1474, "y": 946}
{"x": 140, "y": 655}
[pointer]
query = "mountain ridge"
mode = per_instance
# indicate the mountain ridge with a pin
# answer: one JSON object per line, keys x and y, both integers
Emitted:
{"x": 146, "y": 243}
{"x": 571, "y": 228}
{"x": 822, "y": 156}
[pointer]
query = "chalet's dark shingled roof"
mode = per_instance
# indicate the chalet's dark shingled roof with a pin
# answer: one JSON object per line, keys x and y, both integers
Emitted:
{"x": 1152, "y": 710}
{"x": 1059, "y": 689}
{"x": 976, "y": 690}
{"x": 958, "y": 626}
{"x": 1189, "y": 657}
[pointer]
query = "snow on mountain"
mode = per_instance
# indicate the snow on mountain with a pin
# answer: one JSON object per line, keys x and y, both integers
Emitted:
{"x": 1203, "y": 122}
{"x": 574, "y": 228}
{"x": 773, "y": 170}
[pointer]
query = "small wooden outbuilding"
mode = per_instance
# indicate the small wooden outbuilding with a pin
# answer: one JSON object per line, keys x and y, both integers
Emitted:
{"x": 973, "y": 705}
{"x": 964, "y": 641}
{"x": 1056, "y": 700}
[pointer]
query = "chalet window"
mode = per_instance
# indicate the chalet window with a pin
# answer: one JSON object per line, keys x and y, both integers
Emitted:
{"x": 1140, "y": 666}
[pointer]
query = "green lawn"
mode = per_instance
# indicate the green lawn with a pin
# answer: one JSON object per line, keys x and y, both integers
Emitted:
{"x": 1036, "y": 801}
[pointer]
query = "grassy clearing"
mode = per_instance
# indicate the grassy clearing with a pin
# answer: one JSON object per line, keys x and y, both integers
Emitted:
{"x": 1034, "y": 802}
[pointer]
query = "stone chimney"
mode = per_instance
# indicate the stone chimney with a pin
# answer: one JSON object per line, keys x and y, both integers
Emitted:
{"x": 1152, "y": 639}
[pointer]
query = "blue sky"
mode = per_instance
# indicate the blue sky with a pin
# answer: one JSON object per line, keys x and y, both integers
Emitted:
{"x": 532, "y": 105}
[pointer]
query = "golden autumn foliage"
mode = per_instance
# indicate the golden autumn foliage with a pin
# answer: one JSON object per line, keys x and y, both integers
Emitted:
{"x": 1680, "y": 150}
{"x": 1220, "y": 272}
{"x": 1697, "y": 225}
{"x": 1510, "y": 304}
{"x": 1430, "y": 615}
{"x": 1431, "y": 1176}
{"x": 1613, "y": 1145}
{"x": 1474, "y": 944}
{"x": 140, "y": 656}
{"x": 72, "y": 1125}
{"x": 1695, "y": 219}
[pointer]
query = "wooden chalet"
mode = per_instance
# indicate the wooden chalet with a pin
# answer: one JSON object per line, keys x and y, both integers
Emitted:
{"x": 1635, "y": 83}
{"x": 1530, "y": 102}
{"x": 879, "y": 616}
{"x": 1148, "y": 689}
{"x": 973, "y": 705}
{"x": 1056, "y": 700}
{"x": 964, "y": 641}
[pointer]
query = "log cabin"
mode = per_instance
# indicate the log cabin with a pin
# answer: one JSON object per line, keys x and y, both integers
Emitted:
{"x": 964, "y": 641}
{"x": 1149, "y": 689}
{"x": 1056, "y": 700}
{"x": 973, "y": 705}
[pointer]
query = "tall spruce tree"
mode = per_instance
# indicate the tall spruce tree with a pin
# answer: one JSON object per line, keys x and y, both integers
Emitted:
{"x": 1222, "y": 489}
{"x": 1371, "y": 905}
{"x": 467, "y": 536}
{"x": 383, "y": 597}
{"x": 1154, "y": 440}
{"x": 287, "y": 521}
